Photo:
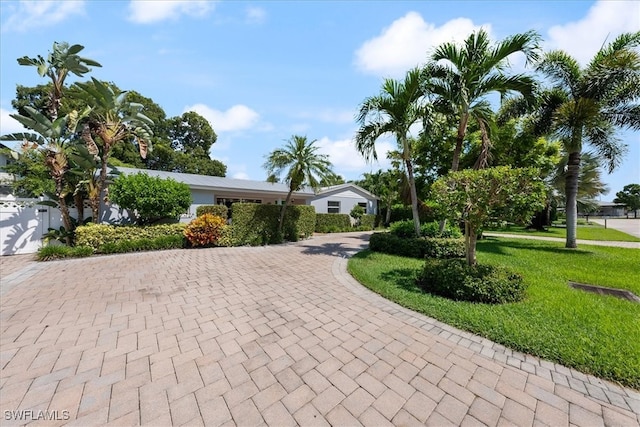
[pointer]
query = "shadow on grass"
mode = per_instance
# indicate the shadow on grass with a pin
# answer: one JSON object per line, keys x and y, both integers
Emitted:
{"x": 403, "y": 278}
{"x": 497, "y": 245}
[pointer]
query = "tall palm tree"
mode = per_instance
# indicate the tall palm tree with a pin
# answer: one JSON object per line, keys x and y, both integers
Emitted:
{"x": 462, "y": 77}
{"x": 400, "y": 105}
{"x": 590, "y": 184}
{"x": 301, "y": 164}
{"x": 587, "y": 105}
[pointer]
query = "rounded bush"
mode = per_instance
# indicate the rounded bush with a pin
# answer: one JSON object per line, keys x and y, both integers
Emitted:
{"x": 205, "y": 230}
{"x": 428, "y": 229}
{"x": 453, "y": 278}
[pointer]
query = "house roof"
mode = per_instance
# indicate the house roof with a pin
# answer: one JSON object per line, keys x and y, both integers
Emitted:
{"x": 206, "y": 182}
{"x": 609, "y": 204}
{"x": 340, "y": 187}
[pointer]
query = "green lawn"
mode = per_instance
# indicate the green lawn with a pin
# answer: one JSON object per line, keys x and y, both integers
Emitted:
{"x": 585, "y": 232}
{"x": 596, "y": 334}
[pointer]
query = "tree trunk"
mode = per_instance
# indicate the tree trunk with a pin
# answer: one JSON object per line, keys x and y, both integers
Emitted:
{"x": 64, "y": 210}
{"x": 387, "y": 219}
{"x": 414, "y": 197}
{"x": 571, "y": 193}
{"x": 470, "y": 239}
{"x": 485, "y": 148}
{"x": 462, "y": 130}
{"x": 79, "y": 201}
{"x": 282, "y": 212}
{"x": 95, "y": 198}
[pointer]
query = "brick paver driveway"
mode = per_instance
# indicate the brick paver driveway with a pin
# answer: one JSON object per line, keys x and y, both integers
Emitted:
{"x": 278, "y": 335}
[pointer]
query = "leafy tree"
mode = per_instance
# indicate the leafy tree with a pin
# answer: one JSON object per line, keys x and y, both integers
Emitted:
{"x": 630, "y": 198}
{"x": 332, "y": 180}
{"x": 191, "y": 133}
{"x": 112, "y": 120}
{"x": 384, "y": 184}
{"x": 301, "y": 164}
{"x": 462, "y": 77}
{"x": 32, "y": 178}
{"x": 474, "y": 196}
{"x": 398, "y": 107}
{"x": 586, "y": 105}
{"x": 151, "y": 198}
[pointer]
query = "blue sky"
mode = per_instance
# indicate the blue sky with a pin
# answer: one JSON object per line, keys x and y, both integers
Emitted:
{"x": 265, "y": 70}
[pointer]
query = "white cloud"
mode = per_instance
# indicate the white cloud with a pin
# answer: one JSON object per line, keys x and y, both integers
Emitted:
{"x": 149, "y": 11}
{"x": 8, "y": 124}
{"x": 407, "y": 42}
{"x": 38, "y": 14}
{"x": 344, "y": 156}
{"x": 255, "y": 15}
{"x": 238, "y": 117}
{"x": 240, "y": 175}
{"x": 604, "y": 21}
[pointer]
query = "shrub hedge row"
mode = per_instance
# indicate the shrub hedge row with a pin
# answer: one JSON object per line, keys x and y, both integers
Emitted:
{"x": 256, "y": 224}
{"x": 97, "y": 235}
{"x": 417, "y": 247}
{"x": 369, "y": 222}
{"x": 332, "y": 223}
{"x": 216, "y": 210}
{"x": 429, "y": 229}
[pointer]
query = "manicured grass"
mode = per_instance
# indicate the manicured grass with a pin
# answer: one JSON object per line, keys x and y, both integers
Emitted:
{"x": 596, "y": 334}
{"x": 585, "y": 232}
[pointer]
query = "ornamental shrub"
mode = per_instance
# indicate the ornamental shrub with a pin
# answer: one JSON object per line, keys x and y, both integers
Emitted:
{"x": 356, "y": 213}
{"x": 332, "y": 223}
{"x": 97, "y": 235}
{"x": 205, "y": 230}
{"x": 154, "y": 244}
{"x": 217, "y": 210}
{"x": 416, "y": 247}
{"x": 429, "y": 229}
{"x": 257, "y": 224}
{"x": 454, "y": 279}
{"x": 368, "y": 222}
{"x": 150, "y": 198}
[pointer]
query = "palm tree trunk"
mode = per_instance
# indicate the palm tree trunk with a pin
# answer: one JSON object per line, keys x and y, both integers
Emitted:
{"x": 282, "y": 212}
{"x": 79, "y": 201}
{"x": 471, "y": 236}
{"x": 462, "y": 130}
{"x": 64, "y": 210}
{"x": 414, "y": 197}
{"x": 387, "y": 219}
{"x": 100, "y": 184}
{"x": 571, "y": 192}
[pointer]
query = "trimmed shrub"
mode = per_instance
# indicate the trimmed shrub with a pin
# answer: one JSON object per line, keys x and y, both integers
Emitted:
{"x": 332, "y": 223}
{"x": 205, "y": 230}
{"x": 429, "y": 229}
{"x": 97, "y": 235}
{"x": 454, "y": 279}
{"x": 53, "y": 252}
{"x": 356, "y": 213}
{"x": 228, "y": 237}
{"x": 427, "y": 212}
{"x": 417, "y": 247}
{"x": 217, "y": 210}
{"x": 156, "y": 244}
{"x": 257, "y": 224}
{"x": 151, "y": 198}
{"x": 368, "y": 222}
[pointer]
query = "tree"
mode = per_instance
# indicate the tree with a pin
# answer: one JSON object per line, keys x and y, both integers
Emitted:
{"x": 590, "y": 183}
{"x": 301, "y": 165}
{"x": 474, "y": 196}
{"x": 151, "y": 198}
{"x": 191, "y": 133}
{"x": 55, "y": 133}
{"x": 112, "y": 120}
{"x": 384, "y": 184}
{"x": 398, "y": 107}
{"x": 462, "y": 77}
{"x": 630, "y": 198}
{"x": 587, "y": 105}
{"x": 31, "y": 175}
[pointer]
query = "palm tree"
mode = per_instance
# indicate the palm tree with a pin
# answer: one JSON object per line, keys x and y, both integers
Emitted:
{"x": 400, "y": 105}
{"x": 113, "y": 119}
{"x": 590, "y": 184}
{"x": 587, "y": 105}
{"x": 462, "y": 76}
{"x": 302, "y": 165}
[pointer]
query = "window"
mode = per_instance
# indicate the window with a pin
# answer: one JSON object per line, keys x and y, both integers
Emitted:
{"x": 363, "y": 205}
{"x": 333, "y": 207}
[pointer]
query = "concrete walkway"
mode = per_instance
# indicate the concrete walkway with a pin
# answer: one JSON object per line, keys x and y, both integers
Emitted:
{"x": 626, "y": 225}
{"x": 248, "y": 336}
{"x": 633, "y": 245}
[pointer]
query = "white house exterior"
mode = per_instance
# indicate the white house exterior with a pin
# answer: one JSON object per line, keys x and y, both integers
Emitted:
{"x": 342, "y": 198}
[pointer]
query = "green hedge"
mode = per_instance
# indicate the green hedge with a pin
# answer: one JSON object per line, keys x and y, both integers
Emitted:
{"x": 53, "y": 252}
{"x": 332, "y": 223}
{"x": 155, "y": 244}
{"x": 369, "y": 222}
{"x": 429, "y": 229}
{"x": 257, "y": 224}
{"x": 217, "y": 210}
{"x": 417, "y": 248}
{"x": 454, "y": 279}
{"x": 427, "y": 212}
{"x": 98, "y": 235}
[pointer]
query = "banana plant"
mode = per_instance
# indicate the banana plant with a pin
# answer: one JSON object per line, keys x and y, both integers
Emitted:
{"x": 112, "y": 120}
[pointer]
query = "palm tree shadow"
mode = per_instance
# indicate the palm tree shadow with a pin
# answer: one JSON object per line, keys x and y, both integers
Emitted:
{"x": 496, "y": 245}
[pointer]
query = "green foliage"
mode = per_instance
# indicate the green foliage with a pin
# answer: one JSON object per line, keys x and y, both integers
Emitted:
{"x": 217, "y": 210}
{"x": 154, "y": 244}
{"x": 430, "y": 229}
{"x": 53, "y": 252}
{"x": 399, "y": 212}
{"x": 356, "y": 212}
{"x": 152, "y": 198}
{"x": 332, "y": 223}
{"x": 228, "y": 237}
{"x": 32, "y": 178}
{"x": 629, "y": 197}
{"x": 489, "y": 284}
{"x": 369, "y": 221}
{"x": 257, "y": 224}
{"x": 97, "y": 235}
{"x": 205, "y": 230}
{"x": 416, "y": 247}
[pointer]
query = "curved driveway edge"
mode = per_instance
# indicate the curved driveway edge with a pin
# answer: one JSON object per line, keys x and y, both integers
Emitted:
{"x": 280, "y": 335}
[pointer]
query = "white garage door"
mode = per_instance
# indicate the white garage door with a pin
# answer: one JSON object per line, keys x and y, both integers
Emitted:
{"x": 22, "y": 225}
